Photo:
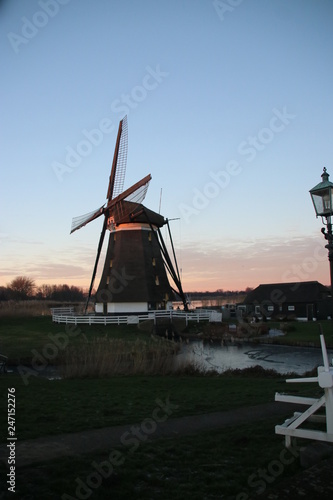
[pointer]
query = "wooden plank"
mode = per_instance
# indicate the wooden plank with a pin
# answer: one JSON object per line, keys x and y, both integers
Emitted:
{"x": 304, "y": 433}
{"x": 286, "y": 398}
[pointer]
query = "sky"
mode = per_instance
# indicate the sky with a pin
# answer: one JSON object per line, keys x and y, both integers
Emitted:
{"x": 229, "y": 108}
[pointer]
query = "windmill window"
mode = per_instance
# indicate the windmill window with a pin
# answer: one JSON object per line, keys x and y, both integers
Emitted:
{"x": 154, "y": 261}
{"x": 157, "y": 281}
{"x": 107, "y": 280}
{"x": 110, "y": 263}
{"x": 149, "y": 236}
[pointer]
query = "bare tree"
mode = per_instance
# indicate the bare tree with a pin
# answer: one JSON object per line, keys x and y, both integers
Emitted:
{"x": 22, "y": 287}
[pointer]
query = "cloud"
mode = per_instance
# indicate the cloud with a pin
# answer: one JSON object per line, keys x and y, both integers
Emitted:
{"x": 8, "y": 238}
{"x": 68, "y": 266}
{"x": 232, "y": 264}
{"x": 207, "y": 264}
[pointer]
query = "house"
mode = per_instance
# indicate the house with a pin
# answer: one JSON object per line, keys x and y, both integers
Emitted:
{"x": 307, "y": 301}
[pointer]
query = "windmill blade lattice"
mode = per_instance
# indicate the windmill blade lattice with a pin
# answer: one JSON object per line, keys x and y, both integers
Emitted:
{"x": 117, "y": 176}
{"x": 82, "y": 220}
{"x": 121, "y": 209}
{"x": 139, "y": 195}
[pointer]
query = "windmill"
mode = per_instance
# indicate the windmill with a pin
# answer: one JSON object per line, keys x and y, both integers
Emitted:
{"x": 134, "y": 277}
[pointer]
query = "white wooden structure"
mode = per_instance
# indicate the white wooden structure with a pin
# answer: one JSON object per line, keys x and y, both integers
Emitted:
{"x": 60, "y": 315}
{"x": 63, "y": 310}
{"x": 291, "y": 428}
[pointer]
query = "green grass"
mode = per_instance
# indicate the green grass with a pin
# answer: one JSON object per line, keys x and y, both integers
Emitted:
{"x": 19, "y": 336}
{"x": 305, "y": 332}
{"x": 45, "y": 407}
{"x": 210, "y": 465}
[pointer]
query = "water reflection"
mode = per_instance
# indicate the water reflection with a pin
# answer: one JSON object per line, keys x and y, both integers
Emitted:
{"x": 282, "y": 359}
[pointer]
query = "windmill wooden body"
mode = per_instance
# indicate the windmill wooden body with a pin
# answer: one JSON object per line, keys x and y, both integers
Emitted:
{"x": 134, "y": 277}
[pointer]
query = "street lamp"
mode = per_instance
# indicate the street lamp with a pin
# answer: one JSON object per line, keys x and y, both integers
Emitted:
{"x": 322, "y": 199}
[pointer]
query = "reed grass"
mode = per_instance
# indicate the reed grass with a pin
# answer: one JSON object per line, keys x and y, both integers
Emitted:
{"x": 103, "y": 357}
{"x": 28, "y": 308}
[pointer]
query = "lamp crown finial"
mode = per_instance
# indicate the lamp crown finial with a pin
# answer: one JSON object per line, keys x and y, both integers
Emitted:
{"x": 325, "y": 175}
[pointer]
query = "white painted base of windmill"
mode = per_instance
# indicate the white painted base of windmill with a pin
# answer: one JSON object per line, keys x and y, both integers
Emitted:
{"x": 291, "y": 427}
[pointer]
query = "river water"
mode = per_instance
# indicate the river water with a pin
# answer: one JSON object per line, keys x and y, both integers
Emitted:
{"x": 282, "y": 359}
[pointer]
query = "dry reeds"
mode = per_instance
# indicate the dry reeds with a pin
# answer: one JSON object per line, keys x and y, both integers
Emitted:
{"x": 25, "y": 308}
{"x": 106, "y": 357}
{"x": 33, "y": 307}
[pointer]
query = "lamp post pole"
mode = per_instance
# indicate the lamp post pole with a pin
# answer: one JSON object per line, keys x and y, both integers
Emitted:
{"x": 322, "y": 199}
{"x": 328, "y": 234}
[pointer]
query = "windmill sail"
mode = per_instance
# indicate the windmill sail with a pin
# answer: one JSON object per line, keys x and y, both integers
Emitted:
{"x": 133, "y": 193}
{"x": 136, "y": 253}
{"x": 82, "y": 220}
{"x": 99, "y": 249}
{"x": 129, "y": 204}
{"x": 117, "y": 176}
{"x": 139, "y": 195}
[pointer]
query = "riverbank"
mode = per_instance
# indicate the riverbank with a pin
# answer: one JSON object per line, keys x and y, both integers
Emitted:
{"x": 36, "y": 340}
{"x": 294, "y": 333}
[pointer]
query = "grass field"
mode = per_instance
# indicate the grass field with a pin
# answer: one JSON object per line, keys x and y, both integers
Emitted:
{"x": 207, "y": 465}
{"x": 58, "y": 406}
{"x": 306, "y": 332}
{"x": 225, "y": 464}
{"x": 20, "y": 335}
{"x": 212, "y": 465}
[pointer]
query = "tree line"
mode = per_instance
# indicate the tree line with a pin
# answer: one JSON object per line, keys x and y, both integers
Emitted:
{"x": 25, "y": 288}
{"x": 218, "y": 293}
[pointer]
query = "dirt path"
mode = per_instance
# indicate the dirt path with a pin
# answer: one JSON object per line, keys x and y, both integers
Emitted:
{"x": 314, "y": 482}
{"x": 50, "y": 447}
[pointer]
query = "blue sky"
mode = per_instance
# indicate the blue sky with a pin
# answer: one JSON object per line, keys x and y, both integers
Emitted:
{"x": 229, "y": 107}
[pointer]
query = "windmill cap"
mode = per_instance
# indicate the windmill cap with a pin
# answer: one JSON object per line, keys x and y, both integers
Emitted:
{"x": 127, "y": 211}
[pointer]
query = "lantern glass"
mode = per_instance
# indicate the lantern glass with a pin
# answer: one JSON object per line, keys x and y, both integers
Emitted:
{"x": 322, "y": 196}
{"x": 323, "y": 202}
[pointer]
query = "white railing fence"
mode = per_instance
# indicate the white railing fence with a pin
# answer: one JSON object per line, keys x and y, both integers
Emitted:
{"x": 69, "y": 311}
{"x": 59, "y": 315}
